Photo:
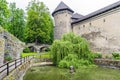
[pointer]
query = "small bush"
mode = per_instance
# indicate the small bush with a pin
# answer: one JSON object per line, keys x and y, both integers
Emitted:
{"x": 107, "y": 57}
{"x": 117, "y": 58}
{"x": 47, "y": 49}
{"x": 8, "y": 58}
{"x": 98, "y": 55}
{"x": 116, "y": 55}
{"x": 26, "y": 50}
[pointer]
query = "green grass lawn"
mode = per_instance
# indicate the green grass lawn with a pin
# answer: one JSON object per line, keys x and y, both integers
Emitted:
{"x": 54, "y": 73}
{"x": 28, "y": 54}
{"x": 37, "y": 55}
{"x": 44, "y": 55}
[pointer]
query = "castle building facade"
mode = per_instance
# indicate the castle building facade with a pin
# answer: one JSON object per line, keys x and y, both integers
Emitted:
{"x": 101, "y": 28}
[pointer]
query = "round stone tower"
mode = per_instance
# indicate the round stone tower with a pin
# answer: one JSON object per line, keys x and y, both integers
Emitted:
{"x": 62, "y": 17}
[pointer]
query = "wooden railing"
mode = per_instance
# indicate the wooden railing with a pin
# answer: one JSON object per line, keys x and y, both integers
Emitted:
{"x": 10, "y": 66}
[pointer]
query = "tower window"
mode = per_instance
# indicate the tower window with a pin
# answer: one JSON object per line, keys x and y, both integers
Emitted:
{"x": 83, "y": 25}
{"x": 90, "y": 24}
{"x": 103, "y": 20}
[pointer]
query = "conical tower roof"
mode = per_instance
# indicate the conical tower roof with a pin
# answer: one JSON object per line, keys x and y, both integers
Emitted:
{"x": 62, "y": 6}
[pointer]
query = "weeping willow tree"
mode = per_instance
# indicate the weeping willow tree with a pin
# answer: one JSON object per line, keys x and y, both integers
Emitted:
{"x": 79, "y": 44}
{"x": 70, "y": 44}
{"x": 60, "y": 49}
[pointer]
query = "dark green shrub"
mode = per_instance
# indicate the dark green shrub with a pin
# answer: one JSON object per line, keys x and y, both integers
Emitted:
{"x": 116, "y": 55}
{"x": 117, "y": 58}
{"x": 26, "y": 50}
{"x": 47, "y": 49}
{"x": 98, "y": 55}
{"x": 8, "y": 58}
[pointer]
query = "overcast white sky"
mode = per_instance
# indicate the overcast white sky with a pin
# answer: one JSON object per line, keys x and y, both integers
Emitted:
{"x": 83, "y": 7}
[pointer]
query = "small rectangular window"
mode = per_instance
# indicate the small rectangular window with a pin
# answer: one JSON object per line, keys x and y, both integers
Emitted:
{"x": 103, "y": 20}
{"x": 83, "y": 25}
{"x": 90, "y": 24}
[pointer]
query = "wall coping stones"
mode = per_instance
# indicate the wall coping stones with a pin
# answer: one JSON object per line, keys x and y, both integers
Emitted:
{"x": 110, "y": 63}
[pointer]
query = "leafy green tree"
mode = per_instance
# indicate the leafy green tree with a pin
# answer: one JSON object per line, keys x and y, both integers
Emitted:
{"x": 4, "y": 13}
{"x": 39, "y": 27}
{"x": 16, "y": 21}
{"x": 68, "y": 48}
{"x": 51, "y": 32}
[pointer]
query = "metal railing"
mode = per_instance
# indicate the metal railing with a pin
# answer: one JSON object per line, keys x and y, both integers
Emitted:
{"x": 10, "y": 66}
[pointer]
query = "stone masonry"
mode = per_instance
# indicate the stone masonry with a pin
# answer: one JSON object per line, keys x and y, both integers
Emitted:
{"x": 2, "y": 43}
{"x": 9, "y": 46}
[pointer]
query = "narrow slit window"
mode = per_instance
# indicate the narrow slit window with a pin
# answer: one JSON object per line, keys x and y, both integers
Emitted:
{"x": 83, "y": 25}
{"x": 90, "y": 24}
{"x": 104, "y": 20}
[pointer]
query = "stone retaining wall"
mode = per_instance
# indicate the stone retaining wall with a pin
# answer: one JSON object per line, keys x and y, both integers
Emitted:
{"x": 2, "y": 43}
{"x": 115, "y": 64}
{"x": 9, "y": 46}
{"x": 19, "y": 72}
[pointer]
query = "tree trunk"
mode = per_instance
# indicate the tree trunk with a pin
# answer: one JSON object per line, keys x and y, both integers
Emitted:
{"x": 36, "y": 41}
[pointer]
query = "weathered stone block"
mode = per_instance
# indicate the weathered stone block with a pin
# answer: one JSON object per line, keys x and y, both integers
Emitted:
{"x": 2, "y": 46}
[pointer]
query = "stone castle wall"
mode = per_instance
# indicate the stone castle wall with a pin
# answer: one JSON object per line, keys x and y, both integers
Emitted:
{"x": 2, "y": 43}
{"x": 9, "y": 46}
{"x": 102, "y": 31}
{"x": 115, "y": 64}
